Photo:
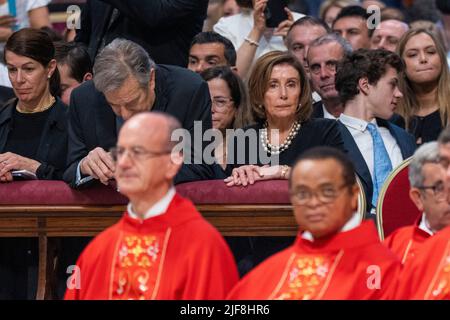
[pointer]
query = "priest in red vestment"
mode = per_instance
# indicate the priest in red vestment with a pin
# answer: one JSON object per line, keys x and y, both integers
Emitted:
{"x": 162, "y": 248}
{"x": 427, "y": 276}
{"x": 427, "y": 180}
{"x": 335, "y": 257}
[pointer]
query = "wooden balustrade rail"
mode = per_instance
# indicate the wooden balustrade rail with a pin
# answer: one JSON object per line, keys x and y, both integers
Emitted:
{"x": 26, "y": 212}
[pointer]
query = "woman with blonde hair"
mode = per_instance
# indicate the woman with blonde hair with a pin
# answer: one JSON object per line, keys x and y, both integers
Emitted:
{"x": 425, "y": 85}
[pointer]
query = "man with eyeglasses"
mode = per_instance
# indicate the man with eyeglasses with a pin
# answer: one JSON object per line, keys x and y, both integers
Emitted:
{"x": 429, "y": 194}
{"x": 334, "y": 256}
{"x": 427, "y": 276}
{"x": 162, "y": 248}
{"x": 323, "y": 57}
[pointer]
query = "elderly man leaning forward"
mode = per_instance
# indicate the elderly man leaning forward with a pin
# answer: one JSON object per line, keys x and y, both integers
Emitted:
{"x": 427, "y": 179}
{"x": 162, "y": 248}
{"x": 126, "y": 82}
{"x": 334, "y": 257}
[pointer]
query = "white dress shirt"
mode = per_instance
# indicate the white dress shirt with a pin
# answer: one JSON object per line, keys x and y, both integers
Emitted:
{"x": 316, "y": 97}
{"x": 363, "y": 139}
{"x": 327, "y": 115}
{"x": 157, "y": 209}
{"x": 237, "y": 27}
{"x": 425, "y": 226}
{"x": 350, "y": 225}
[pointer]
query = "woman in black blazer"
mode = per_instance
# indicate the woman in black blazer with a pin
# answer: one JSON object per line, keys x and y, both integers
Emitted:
{"x": 33, "y": 127}
{"x": 281, "y": 101}
{"x": 33, "y": 137}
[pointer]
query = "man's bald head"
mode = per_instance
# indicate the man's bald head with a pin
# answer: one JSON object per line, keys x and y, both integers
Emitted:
{"x": 153, "y": 126}
{"x": 146, "y": 163}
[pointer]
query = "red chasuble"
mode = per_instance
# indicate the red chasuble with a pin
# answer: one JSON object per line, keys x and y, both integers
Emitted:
{"x": 348, "y": 265}
{"x": 404, "y": 242}
{"x": 427, "y": 276}
{"x": 176, "y": 255}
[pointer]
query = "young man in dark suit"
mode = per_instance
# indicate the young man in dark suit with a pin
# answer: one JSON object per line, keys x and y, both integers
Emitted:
{"x": 367, "y": 82}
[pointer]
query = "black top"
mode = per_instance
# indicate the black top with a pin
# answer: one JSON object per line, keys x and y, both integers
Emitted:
{"x": 26, "y": 132}
{"x": 426, "y": 129}
{"x": 45, "y": 142}
{"x": 313, "y": 133}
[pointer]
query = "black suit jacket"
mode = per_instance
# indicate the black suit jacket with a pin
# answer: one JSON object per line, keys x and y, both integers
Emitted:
{"x": 52, "y": 150}
{"x": 92, "y": 123}
{"x": 404, "y": 140}
{"x": 164, "y": 28}
{"x": 317, "y": 110}
{"x": 6, "y": 94}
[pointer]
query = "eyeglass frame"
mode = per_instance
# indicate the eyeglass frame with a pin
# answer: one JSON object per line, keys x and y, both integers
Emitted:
{"x": 315, "y": 193}
{"x": 330, "y": 65}
{"x": 137, "y": 156}
{"x": 433, "y": 188}
{"x": 225, "y": 104}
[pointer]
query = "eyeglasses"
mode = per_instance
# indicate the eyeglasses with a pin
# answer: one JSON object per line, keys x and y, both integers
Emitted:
{"x": 221, "y": 102}
{"x": 329, "y": 65}
{"x": 439, "y": 190}
{"x": 325, "y": 194}
{"x": 135, "y": 153}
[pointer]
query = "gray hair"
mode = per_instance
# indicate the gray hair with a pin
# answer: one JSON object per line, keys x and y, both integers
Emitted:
{"x": 333, "y": 37}
{"x": 119, "y": 60}
{"x": 427, "y": 153}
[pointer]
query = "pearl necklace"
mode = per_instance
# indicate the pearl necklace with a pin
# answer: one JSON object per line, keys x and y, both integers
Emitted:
{"x": 273, "y": 149}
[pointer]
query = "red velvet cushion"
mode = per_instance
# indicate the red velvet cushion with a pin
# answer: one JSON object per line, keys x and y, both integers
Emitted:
{"x": 201, "y": 192}
{"x": 216, "y": 192}
{"x": 398, "y": 209}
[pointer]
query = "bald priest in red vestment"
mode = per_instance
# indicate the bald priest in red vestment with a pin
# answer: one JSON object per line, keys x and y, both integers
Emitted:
{"x": 335, "y": 257}
{"x": 428, "y": 192}
{"x": 162, "y": 248}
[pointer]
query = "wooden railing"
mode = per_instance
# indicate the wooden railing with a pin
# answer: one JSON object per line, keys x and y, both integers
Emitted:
{"x": 49, "y": 209}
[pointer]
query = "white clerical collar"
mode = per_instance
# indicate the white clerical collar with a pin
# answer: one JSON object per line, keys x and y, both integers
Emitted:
{"x": 326, "y": 114}
{"x": 157, "y": 209}
{"x": 355, "y": 123}
{"x": 351, "y": 224}
{"x": 425, "y": 226}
